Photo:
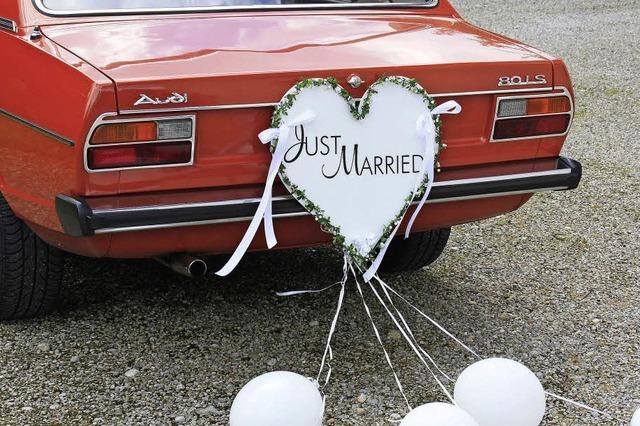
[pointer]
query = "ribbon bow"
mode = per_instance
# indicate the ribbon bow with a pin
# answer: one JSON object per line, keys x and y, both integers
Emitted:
{"x": 264, "y": 210}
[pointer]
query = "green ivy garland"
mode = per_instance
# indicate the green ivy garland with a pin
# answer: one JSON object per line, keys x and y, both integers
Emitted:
{"x": 358, "y": 112}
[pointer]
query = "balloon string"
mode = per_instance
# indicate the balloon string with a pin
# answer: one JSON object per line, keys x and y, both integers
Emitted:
{"x": 408, "y": 329}
{"x": 471, "y": 351}
{"x": 408, "y": 339}
{"x": 577, "y": 404}
{"x": 431, "y": 320}
{"x": 327, "y": 350}
{"x": 299, "y": 292}
{"x": 410, "y": 332}
{"x": 375, "y": 330}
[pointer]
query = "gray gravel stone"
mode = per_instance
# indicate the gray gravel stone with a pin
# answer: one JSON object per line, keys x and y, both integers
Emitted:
{"x": 507, "y": 286}
{"x": 43, "y": 347}
{"x": 131, "y": 373}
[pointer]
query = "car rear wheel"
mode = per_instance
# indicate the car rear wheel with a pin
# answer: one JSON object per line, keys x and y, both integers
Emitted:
{"x": 417, "y": 251}
{"x": 30, "y": 269}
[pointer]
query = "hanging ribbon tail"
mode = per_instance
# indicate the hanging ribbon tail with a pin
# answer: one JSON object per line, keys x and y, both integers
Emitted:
{"x": 269, "y": 233}
{"x": 264, "y": 207}
{"x": 369, "y": 273}
{"x": 426, "y": 129}
{"x": 266, "y": 136}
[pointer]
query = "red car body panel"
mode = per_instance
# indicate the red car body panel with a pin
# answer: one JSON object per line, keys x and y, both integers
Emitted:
{"x": 82, "y": 68}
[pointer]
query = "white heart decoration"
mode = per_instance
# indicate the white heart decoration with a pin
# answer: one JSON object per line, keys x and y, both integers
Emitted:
{"x": 357, "y": 168}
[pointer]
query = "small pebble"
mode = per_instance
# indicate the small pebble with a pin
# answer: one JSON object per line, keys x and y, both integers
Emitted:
{"x": 44, "y": 347}
{"x": 208, "y": 411}
{"x": 131, "y": 373}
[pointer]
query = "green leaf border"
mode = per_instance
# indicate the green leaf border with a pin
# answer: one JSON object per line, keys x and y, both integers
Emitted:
{"x": 359, "y": 112}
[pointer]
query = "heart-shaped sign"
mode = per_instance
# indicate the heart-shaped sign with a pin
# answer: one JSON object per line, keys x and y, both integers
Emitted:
{"x": 357, "y": 167}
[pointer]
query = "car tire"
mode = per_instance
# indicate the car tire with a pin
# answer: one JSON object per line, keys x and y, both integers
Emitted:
{"x": 30, "y": 270}
{"x": 419, "y": 250}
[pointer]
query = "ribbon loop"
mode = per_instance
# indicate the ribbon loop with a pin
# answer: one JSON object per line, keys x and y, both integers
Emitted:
{"x": 449, "y": 107}
{"x": 264, "y": 208}
{"x": 266, "y": 136}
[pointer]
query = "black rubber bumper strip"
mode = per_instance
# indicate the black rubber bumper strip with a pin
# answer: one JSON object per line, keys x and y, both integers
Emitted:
{"x": 78, "y": 219}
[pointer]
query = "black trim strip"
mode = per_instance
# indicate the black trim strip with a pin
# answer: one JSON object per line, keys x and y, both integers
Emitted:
{"x": 78, "y": 219}
{"x": 37, "y": 128}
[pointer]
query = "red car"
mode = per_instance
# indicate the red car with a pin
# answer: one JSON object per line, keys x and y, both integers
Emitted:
{"x": 128, "y": 129}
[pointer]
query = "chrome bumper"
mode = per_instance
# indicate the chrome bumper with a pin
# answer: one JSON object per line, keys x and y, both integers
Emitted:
{"x": 79, "y": 219}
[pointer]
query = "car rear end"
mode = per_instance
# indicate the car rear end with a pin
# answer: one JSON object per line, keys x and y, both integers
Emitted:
{"x": 170, "y": 161}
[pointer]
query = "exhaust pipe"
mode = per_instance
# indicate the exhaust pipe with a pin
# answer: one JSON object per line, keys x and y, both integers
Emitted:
{"x": 185, "y": 264}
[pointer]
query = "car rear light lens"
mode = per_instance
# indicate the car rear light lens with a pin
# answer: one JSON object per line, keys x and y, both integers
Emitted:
{"x": 531, "y": 126}
{"x": 125, "y": 132}
{"x": 143, "y": 131}
{"x": 555, "y": 105}
{"x": 174, "y": 129}
{"x": 147, "y": 154}
{"x": 533, "y": 106}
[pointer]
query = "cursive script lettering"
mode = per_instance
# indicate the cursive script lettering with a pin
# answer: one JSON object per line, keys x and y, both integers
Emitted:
{"x": 349, "y": 160}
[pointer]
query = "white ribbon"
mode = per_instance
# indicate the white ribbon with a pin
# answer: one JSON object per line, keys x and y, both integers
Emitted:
{"x": 327, "y": 350}
{"x": 412, "y": 344}
{"x": 408, "y": 329}
{"x": 428, "y": 318}
{"x": 386, "y": 287}
{"x": 377, "y": 333}
{"x": 264, "y": 208}
{"x": 426, "y": 129}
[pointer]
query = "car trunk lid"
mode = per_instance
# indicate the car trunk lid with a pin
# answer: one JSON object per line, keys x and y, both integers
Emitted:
{"x": 232, "y": 69}
{"x": 255, "y": 59}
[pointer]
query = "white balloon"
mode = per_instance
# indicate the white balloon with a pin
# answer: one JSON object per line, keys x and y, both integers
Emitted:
{"x": 438, "y": 414}
{"x": 501, "y": 392}
{"x": 278, "y": 398}
{"x": 635, "y": 421}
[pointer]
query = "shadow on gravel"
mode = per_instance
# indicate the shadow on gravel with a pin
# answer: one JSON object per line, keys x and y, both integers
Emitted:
{"x": 102, "y": 283}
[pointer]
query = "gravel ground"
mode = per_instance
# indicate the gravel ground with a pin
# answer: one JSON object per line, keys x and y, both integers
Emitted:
{"x": 554, "y": 285}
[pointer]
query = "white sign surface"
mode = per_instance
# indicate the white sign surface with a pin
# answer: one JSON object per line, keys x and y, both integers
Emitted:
{"x": 357, "y": 168}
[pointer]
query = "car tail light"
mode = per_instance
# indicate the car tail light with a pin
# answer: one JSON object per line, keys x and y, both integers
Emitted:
{"x": 116, "y": 157}
{"x": 531, "y": 126}
{"x": 525, "y": 117}
{"x": 533, "y": 106}
{"x": 142, "y": 131}
{"x": 126, "y": 144}
{"x": 125, "y": 132}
